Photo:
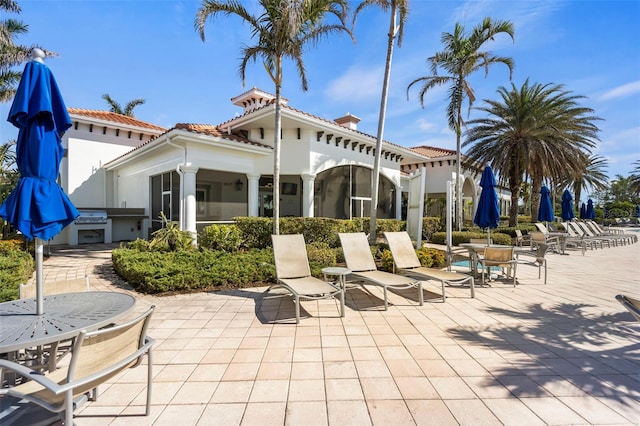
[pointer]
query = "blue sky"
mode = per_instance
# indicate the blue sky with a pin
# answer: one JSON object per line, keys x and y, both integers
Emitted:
{"x": 149, "y": 49}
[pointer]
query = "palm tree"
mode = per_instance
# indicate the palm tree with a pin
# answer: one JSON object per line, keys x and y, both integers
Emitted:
{"x": 11, "y": 54}
{"x": 128, "y": 108}
{"x": 534, "y": 124}
{"x": 565, "y": 148}
{"x": 282, "y": 30}
{"x": 593, "y": 175}
{"x": 398, "y": 17}
{"x": 460, "y": 58}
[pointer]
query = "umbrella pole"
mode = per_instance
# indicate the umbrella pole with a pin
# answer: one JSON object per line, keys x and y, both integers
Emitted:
{"x": 39, "y": 286}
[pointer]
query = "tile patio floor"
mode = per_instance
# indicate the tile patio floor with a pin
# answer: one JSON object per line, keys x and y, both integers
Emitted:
{"x": 562, "y": 353}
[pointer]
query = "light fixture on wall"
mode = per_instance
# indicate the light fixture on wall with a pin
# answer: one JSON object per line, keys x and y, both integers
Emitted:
{"x": 239, "y": 185}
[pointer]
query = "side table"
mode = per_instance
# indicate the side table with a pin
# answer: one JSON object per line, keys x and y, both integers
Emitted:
{"x": 336, "y": 271}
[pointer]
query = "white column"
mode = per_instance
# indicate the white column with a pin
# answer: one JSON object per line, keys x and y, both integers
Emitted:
{"x": 189, "y": 185}
{"x": 253, "y": 194}
{"x": 398, "y": 202}
{"x": 308, "y": 181}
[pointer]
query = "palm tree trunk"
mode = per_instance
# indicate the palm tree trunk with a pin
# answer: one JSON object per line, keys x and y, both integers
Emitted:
{"x": 459, "y": 171}
{"x": 536, "y": 184}
{"x": 276, "y": 149}
{"x": 375, "y": 181}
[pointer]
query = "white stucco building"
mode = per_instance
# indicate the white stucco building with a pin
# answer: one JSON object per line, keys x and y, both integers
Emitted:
{"x": 200, "y": 174}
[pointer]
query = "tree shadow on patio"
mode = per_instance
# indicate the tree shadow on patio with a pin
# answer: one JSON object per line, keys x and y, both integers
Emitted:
{"x": 563, "y": 348}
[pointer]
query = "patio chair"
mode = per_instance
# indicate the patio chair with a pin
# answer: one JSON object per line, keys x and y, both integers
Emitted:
{"x": 501, "y": 257}
{"x": 537, "y": 238}
{"x": 405, "y": 261}
{"x": 631, "y": 305}
{"x": 294, "y": 275}
{"x": 536, "y": 259}
{"x": 358, "y": 257}
{"x": 96, "y": 357}
{"x": 522, "y": 240}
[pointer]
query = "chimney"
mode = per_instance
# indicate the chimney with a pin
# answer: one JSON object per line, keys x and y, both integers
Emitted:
{"x": 349, "y": 121}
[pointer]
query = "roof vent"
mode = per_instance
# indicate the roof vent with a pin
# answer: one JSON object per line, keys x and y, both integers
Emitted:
{"x": 349, "y": 121}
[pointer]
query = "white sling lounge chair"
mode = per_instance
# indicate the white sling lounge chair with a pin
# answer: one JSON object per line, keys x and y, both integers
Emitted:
{"x": 294, "y": 275}
{"x": 632, "y": 305}
{"x": 405, "y": 261}
{"x": 357, "y": 255}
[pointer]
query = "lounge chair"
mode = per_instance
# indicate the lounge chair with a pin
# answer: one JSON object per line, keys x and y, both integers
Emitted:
{"x": 577, "y": 233}
{"x": 590, "y": 234}
{"x": 536, "y": 259}
{"x": 617, "y": 234}
{"x": 358, "y": 257}
{"x": 501, "y": 257}
{"x": 632, "y": 305}
{"x": 96, "y": 357}
{"x": 294, "y": 275}
{"x": 405, "y": 261}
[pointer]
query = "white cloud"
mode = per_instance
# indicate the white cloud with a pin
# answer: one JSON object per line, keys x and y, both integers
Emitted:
{"x": 357, "y": 84}
{"x": 425, "y": 125}
{"x": 621, "y": 91}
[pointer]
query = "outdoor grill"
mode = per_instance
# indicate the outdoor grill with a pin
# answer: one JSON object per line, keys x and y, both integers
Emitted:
{"x": 90, "y": 217}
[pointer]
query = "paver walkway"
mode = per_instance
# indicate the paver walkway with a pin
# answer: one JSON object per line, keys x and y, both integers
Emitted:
{"x": 557, "y": 354}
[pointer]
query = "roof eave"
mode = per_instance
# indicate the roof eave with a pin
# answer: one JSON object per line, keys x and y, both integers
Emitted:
{"x": 109, "y": 123}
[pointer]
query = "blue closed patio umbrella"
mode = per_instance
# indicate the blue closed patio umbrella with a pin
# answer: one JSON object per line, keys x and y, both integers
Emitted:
{"x": 591, "y": 213}
{"x": 545, "y": 212}
{"x": 567, "y": 206}
{"x": 637, "y": 211}
{"x": 38, "y": 207}
{"x": 583, "y": 211}
{"x": 488, "y": 212}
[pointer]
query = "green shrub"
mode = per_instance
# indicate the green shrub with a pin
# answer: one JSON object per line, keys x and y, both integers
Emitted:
{"x": 8, "y": 245}
{"x": 137, "y": 244}
{"x": 429, "y": 258}
{"x": 161, "y": 272}
{"x": 220, "y": 237}
{"x": 459, "y": 237}
{"x": 320, "y": 256}
{"x": 431, "y": 224}
{"x": 170, "y": 237}
{"x": 16, "y": 267}
{"x": 256, "y": 231}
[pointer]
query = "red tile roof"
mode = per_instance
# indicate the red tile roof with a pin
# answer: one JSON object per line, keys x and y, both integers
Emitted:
{"x": 115, "y": 118}
{"x": 211, "y": 130}
{"x": 290, "y": 108}
{"x": 433, "y": 152}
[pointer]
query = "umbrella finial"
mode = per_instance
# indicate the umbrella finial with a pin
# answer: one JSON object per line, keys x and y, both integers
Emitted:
{"x": 37, "y": 55}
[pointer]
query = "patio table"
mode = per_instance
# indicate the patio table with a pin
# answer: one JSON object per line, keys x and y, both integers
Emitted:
{"x": 64, "y": 316}
{"x": 475, "y": 249}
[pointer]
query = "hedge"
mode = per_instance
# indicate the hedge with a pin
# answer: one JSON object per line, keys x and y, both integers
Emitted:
{"x": 16, "y": 267}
